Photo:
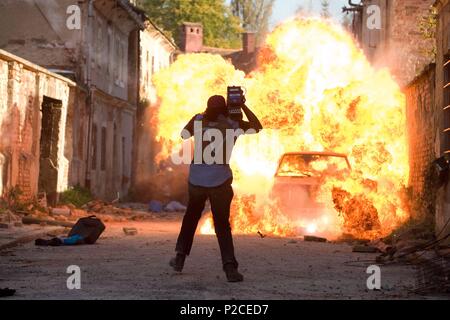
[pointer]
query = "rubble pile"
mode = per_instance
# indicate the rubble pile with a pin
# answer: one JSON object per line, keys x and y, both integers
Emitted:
{"x": 8, "y": 218}
{"x": 66, "y": 215}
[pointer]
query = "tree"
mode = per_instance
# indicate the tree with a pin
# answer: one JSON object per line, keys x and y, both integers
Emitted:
{"x": 325, "y": 9}
{"x": 254, "y": 15}
{"x": 221, "y": 28}
{"x": 428, "y": 25}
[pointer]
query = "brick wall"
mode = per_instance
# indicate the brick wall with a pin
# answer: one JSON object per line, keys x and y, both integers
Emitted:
{"x": 408, "y": 48}
{"x": 23, "y": 86}
{"x": 442, "y": 40}
{"x": 423, "y": 130}
{"x": 400, "y": 44}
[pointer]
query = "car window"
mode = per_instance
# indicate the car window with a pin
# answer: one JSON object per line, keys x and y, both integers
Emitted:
{"x": 302, "y": 165}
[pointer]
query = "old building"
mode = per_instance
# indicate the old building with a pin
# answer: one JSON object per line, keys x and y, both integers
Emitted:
{"x": 399, "y": 42}
{"x": 443, "y": 107}
{"x": 96, "y": 44}
{"x": 423, "y": 125}
{"x": 34, "y": 106}
{"x": 428, "y": 101}
{"x": 391, "y": 36}
{"x": 156, "y": 51}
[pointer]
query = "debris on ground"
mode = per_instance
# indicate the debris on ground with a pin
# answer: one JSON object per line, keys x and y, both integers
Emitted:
{"x": 175, "y": 206}
{"x": 47, "y": 221}
{"x": 261, "y": 235}
{"x": 130, "y": 231}
{"x": 314, "y": 239}
{"x": 376, "y": 246}
{"x": 86, "y": 231}
{"x": 155, "y": 206}
{"x": 433, "y": 273}
{"x": 62, "y": 211}
{"x": 365, "y": 249}
{"x": 9, "y": 219}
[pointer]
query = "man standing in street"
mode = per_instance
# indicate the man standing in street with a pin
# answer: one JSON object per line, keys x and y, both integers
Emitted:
{"x": 210, "y": 177}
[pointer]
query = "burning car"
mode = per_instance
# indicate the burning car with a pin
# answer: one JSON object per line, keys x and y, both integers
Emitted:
{"x": 297, "y": 180}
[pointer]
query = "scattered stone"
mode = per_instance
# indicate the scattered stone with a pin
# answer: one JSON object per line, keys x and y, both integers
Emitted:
{"x": 381, "y": 246}
{"x": 18, "y": 224}
{"x": 61, "y": 212}
{"x": 9, "y": 217}
{"x": 314, "y": 239}
{"x": 44, "y": 222}
{"x": 175, "y": 206}
{"x": 292, "y": 241}
{"x": 61, "y": 218}
{"x": 365, "y": 249}
{"x": 130, "y": 231}
{"x": 79, "y": 213}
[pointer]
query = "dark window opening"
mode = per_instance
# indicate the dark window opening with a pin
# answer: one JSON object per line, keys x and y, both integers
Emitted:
{"x": 94, "y": 147}
{"x": 103, "y": 155}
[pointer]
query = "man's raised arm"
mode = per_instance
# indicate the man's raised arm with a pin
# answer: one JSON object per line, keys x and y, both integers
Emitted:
{"x": 253, "y": 121}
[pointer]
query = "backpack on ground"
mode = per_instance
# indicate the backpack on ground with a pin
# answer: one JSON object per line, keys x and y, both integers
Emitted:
{"x": 89, "y": 228}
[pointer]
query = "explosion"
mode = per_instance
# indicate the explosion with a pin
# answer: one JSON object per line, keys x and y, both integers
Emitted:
{"x": 314, "y": 90}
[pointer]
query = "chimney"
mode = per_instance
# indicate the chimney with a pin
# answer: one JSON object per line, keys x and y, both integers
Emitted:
{"x": 191, "y": 37}
{"x": 249, "y": 42}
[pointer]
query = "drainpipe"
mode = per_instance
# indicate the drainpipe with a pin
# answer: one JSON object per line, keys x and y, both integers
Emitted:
{"x": 89, "y": 100}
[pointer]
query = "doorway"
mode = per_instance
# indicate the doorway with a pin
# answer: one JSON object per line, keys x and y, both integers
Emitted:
{"x": 48, "y": 160}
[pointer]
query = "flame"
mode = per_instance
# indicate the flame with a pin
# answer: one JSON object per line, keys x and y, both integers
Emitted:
{"x": 314, "y": 90}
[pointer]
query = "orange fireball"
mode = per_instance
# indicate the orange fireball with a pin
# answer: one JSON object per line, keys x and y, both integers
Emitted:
{"x": 313, "y": 91}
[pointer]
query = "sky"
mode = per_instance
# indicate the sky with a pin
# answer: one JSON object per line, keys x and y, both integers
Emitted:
{"x": 285, "y": 9}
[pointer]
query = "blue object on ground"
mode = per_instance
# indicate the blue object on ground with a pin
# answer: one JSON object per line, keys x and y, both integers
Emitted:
{"x": 155, "y": 206}
{"x": 73, "y": 240}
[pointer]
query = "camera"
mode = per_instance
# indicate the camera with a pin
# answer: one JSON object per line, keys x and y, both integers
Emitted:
{"x": 235, "y": 101}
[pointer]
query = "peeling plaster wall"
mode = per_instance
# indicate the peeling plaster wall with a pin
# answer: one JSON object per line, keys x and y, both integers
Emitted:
{"x": 156, "y": 53}
{"x": 102, "y": 58}
{"x": 399, "y": 44}
{"x": 3, "y": 113}
{"x": 111, "y": 149}
{"x": 22, "y": 90}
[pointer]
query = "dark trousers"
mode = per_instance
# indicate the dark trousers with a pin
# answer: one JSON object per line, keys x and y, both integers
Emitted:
{"x": 220, "y": 199}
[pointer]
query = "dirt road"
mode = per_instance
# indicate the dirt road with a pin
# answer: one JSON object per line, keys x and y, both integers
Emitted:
{"x": 136, "y": 267}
